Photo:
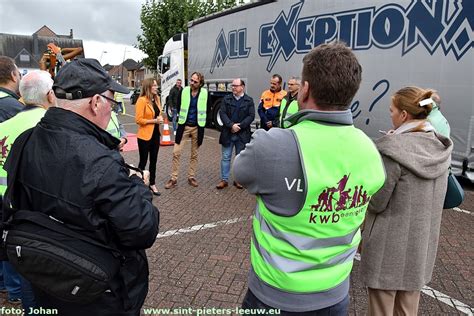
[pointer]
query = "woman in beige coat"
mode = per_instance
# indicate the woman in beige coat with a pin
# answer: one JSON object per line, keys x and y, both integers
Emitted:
{"x": 402, "y": 225}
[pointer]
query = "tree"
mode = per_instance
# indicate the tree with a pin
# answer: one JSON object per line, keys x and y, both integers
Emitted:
{"x": 161, "y": 19}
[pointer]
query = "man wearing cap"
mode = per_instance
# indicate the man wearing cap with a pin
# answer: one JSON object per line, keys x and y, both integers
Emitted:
{"x": 70, "y": 169}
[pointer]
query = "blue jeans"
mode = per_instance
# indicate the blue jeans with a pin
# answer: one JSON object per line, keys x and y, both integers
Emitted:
{"x": 339, "y": 309}
{"x": 227, "y": 155}
{"x": 10, "y": 280}
{"x": 174, "y": 119}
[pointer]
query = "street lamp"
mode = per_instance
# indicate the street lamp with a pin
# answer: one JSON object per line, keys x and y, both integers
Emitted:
{"x": 102, "y": 54}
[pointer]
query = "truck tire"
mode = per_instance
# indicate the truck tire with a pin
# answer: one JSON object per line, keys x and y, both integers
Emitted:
{"x": 216, "y": 119}
{"x": 169, "y": 112}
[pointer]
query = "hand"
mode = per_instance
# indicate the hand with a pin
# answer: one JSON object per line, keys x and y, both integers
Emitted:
{"x": 269, "y": 124}
{"x": 123, "y": 141}
{"x": 145, "y": 177}
{"x": 235, "y": 128}
{"x": 159, "y": 120}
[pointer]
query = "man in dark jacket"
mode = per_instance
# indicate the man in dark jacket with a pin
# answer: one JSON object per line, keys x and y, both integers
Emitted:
{"x": 9, "y": 106}
{"x": 10, "y": 78}
{"x": 237, "y": 113}
{"x": 173, "y": 99}
{"x": 70, "y": 169}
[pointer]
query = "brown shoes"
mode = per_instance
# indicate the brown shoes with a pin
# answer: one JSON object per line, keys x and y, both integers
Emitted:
{"x": 238, "y": 185}
{"x": 171, "y": 184}
{"x": 222, "y": 184}
{"x": 193, "y": 182}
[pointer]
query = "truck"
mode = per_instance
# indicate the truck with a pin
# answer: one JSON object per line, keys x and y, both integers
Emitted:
{"x": 426, "y": 43}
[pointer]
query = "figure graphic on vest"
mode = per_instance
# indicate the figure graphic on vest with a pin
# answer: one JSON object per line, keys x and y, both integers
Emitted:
{"x": 192, "y": 120}
{"x": 289, "y": 104}
{"x": 36, "y": 91}
{"x": 269, "y": 106}
{"x": 10, "y": 78}
{"x": 305, "y": 230}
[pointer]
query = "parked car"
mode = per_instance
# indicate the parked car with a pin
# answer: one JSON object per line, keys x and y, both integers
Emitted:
{"x": 135, "y": 95}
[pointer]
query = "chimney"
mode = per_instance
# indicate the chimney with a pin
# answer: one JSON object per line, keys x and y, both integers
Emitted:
{"x": 70, "y": 33}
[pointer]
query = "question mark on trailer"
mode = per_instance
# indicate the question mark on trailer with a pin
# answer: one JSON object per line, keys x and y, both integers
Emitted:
{"x": 372, "y": 105}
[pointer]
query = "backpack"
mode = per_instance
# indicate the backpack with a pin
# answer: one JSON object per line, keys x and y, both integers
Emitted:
{"x": 59, "y": 261}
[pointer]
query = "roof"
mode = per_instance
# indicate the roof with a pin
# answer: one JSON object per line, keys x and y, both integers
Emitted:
{"x": 15, "y": 46}
{"x": 130, "y": 64}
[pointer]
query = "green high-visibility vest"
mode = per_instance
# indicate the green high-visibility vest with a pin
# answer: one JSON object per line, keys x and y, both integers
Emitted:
{"x": 9, "y": 131}
{"x": 313, "y": 250}
{"x": 113, "y": 127}
{"x": 202, "y": 106}
{"x": 286, "y": 112}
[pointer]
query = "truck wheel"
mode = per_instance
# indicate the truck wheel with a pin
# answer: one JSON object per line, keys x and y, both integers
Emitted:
{"x": 216, "y": 119}
{"x": 169, "y": 112}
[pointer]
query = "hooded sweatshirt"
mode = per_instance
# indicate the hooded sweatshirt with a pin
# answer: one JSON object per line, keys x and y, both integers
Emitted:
{"x": 402, "y": 226}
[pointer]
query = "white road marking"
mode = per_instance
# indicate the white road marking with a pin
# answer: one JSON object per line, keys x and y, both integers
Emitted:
{"x": 458, "y": 305}
{"x": 457, "y": 209}
{"x": 202, "y": 227}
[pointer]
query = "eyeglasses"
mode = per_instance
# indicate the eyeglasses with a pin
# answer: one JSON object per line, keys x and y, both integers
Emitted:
{"x": 236, "y": 85}
{"x": 113, "y": 103}
{"x": 293, "y": 84}
{"x": 193, "y": 81}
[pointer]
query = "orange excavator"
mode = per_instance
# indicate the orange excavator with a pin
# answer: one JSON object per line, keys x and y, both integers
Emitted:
{"x": 56, "y": 57}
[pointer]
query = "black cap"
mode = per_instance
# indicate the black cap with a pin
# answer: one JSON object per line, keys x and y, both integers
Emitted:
{"x": 83, "y": 78}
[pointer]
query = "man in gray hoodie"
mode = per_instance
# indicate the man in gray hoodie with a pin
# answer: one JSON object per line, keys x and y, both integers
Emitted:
{"x": 313, "y": 182}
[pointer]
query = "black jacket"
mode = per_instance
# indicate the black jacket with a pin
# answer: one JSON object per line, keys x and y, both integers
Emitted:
{"x": 245, "y": 118}
{"x": 9, "y": 106}
{"x": 71, "y": 171}
{"x": 174, "y": 97}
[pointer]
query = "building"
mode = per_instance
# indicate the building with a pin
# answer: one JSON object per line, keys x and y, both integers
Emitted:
{"x": 132, "y": 73}
{"x": 27, "y": 50}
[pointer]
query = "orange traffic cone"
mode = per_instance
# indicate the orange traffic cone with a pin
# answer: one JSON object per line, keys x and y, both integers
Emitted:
{"x": 166, "y": 136}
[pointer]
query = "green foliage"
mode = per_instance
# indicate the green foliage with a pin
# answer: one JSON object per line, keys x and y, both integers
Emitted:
{"x": 161, "y": 19}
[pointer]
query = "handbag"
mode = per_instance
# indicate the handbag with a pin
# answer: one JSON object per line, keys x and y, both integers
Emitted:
{"x": 454, "y": 193}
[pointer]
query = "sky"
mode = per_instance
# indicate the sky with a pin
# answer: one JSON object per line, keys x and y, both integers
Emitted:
{"x": 108, "y": 28}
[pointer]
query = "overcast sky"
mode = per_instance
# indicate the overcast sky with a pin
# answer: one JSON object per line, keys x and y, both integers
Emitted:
{"x": 103, "y": 25}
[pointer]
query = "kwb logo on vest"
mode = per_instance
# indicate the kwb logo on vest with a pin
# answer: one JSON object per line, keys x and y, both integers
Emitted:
{"x": 336, "y": 199}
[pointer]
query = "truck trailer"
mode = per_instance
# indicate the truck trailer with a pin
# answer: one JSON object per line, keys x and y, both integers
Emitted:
{"x": 426, "y": 43}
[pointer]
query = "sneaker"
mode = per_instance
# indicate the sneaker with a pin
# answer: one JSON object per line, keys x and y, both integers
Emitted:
{"x": 192, "y": 181}
{"x": 171, "y": 184}
{"x": 222, "y": 184}
{"x": 238, "y": 185}
{"x": 14, "y": 301}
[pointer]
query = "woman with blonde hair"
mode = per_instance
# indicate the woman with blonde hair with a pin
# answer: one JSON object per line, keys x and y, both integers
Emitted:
{"x": 148, "y": 116}
{"x": 402, "y": 225}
